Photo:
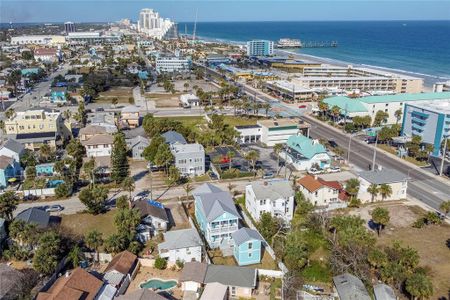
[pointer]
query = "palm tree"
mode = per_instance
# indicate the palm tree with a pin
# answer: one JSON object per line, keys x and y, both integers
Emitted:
{"x": 230, "y": 156}
{"x": 10, "y": 113}
{"x": 75, "y": 256}
{"x": 94, "y": 240}
{"x": 186, "y": 86}
{"x": 398, "y": 115}
{"x": 335, "y": 111}
{"x": 352, "y": 187}
{"x": 45, "y": 152}
{"x": 373, "y": 190}
{"x": 188, "y": 189}
{"x": 253, "y": 157}
{"x": 385, "y": 191}
{"x": 381, "y": 217}
{"x": 128, "y": 185}
{"x": 323, "y": 107}
{"x": 114, "y": 101}
{"x": 277, "y": 149}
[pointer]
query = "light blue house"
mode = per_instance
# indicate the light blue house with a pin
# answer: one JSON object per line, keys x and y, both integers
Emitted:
{"x": 9, "y": 170}
{"x": 58, "y": 95}
{"x": 45, "y": 169}
{"x": 304, "y": 153}
{"x": 216, "y": 215}
{"x": 247, "y": 246}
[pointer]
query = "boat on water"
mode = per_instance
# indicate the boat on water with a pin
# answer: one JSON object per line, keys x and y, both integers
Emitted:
{"x": 289, "y": 43}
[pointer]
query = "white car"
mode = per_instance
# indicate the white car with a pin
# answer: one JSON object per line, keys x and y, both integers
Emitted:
{"x": 314, "y": 171}
{"x": 334, "y": 169}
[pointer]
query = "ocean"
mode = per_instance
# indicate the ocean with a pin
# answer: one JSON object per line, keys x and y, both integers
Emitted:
{"x": 416, "y": 47}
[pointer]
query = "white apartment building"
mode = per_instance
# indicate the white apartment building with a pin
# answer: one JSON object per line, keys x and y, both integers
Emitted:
{"x": 151, "y": 24}
{"x": 259, "y": 48}
{"x": 172, "y": 65}
{"x": 98, "y": 145}
{"x": 290, "y": 90}
{"x": 351, "y": 78}
{"x": 440, "y": 87}
{"x": 275, "y": 197}
{"x": 278, "y": 131}
{"x": 38, "y": 40}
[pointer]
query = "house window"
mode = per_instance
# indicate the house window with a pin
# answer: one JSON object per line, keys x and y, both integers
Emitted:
{"x": 250, "y": 245}
{"x": 249, "y": 254}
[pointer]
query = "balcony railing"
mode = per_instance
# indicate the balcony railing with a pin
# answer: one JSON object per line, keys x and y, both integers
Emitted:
{"x": 220, "y": 229}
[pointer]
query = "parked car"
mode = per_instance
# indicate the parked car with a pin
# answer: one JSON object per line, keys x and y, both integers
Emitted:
{"x": 332, "y": 143}
{"x": 268, "y": 175}
{"x": 314, "y": 171}
{"x": 303, "y": 106}
{"x": 370, "y": 140}
{"x": 334, "y": 169}
{"x": 213, "y": 176}
{"x": 54, "y": 208}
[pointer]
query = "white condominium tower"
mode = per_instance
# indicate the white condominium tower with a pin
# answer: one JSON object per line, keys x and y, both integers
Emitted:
{"x": 151, "y": 24}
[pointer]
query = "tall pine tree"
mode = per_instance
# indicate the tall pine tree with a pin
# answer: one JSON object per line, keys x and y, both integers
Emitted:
{"x": 119, "y": 161}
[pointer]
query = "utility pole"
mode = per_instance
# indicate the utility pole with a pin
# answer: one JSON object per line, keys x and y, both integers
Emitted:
{"x": 374, "y": 152}
{"x": 349, "y": 148}
{"x": 441, "y": 170}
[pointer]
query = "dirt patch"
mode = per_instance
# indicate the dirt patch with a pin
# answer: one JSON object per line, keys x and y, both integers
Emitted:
{"x": 178, "y": 216}
{"x": 121, "y": 93}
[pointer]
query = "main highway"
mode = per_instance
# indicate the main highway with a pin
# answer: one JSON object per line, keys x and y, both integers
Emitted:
{"x": 422, "y": 185}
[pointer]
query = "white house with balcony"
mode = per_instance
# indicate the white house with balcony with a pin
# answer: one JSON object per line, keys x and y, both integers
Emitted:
{"x": 216, "y": 215}
{"x": 181, "y": 245}
{"x": 98, "y": 145}
{"x": 275, "y": 197}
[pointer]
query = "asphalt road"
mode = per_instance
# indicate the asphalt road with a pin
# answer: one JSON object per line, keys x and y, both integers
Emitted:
{"x": 421, "y": 186}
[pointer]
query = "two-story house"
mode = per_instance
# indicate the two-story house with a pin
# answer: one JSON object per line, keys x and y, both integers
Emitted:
{"x": 270, "y": 196}
{"x": 181, "y": 245}
{"x": 216, "y": 215}
{"x": 321, "y": 193}
{"x": 247, "y": 246}
{"x": 129, "y": 116}
{"x": 98, "y": 145}
{"x": 304, "y": 153}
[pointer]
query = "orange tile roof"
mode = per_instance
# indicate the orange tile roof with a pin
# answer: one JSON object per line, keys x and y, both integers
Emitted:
{"x": 312, "y": 184}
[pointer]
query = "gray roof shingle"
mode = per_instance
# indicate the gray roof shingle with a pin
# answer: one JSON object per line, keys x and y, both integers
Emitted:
{"x": 173, "y": 137}
{"x": 231, "y": 275}
{"x": 206, "y": 188}
{"x": 183, "y": 238}
{"x": 350, "y": 287}
{"x": 215, "y": 204}
{"x": 245, "y": 234}
{"x": 34, "y": 215}
{"x": 147, "y": 209}
{"x": 272, "y": 189}
{"x": 383, "y": 176}
{"x": 384, "y": 292}
{"x": 194, "y": 271}
{"x": 14, "y": 146}
{"x": 141, "y": 294}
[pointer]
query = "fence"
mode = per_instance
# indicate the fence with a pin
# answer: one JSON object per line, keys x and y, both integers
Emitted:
{"x": 271, "y": 273}
{"x": 147, "y": 262}
{"x": 104, "y": 257}
{"x": 266, "y": 245}
{"x": 47, "y": 192}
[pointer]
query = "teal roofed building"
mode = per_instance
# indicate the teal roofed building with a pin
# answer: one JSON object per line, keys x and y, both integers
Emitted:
{"x": 389, "y": 104}
{"x": 29, "y": 71}
{"x": 304, "y": 153}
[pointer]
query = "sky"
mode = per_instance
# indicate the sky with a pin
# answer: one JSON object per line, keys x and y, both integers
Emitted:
{"x": 215, "y": 10}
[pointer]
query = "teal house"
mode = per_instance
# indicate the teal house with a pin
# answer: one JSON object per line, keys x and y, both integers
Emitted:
{"x": 45, "y": 169}
{"x": 58, "y": 95}
{"x": 304, "y": 153}
{"x": 29, "y": 71}
{"x": 9, "y": 170}
{"x": 216, "y": 215}
{"x": 247, "y": 246}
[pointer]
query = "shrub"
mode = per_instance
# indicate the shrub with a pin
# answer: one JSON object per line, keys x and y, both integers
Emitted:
{"x": 160, "y": 263}
{"x": 63, "y": 190}
{"x": 355, "y": 202}
{"x": 419, "y": 223}
{"x": 180, "y": 264}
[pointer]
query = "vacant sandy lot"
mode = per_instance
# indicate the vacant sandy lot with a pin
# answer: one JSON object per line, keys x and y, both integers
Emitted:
{"x": 431, "y": 241}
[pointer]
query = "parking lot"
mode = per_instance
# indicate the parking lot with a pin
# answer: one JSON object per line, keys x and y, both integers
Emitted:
{"x": 267, "y": 163}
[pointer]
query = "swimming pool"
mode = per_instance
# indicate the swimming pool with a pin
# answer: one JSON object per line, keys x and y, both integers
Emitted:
{"x": 54, "y": 183}
{"x": 159, "y": 284}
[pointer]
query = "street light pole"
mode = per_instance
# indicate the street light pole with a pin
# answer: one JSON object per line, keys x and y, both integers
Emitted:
{"x": 349, "y": 149}
{"x": 374, "y": 152}
{"x": 441, "y": 170}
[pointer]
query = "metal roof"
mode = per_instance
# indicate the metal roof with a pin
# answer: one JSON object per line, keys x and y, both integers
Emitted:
{"x": 35, "y": 216}
{"x": 231, "y": 276}
{"x": 206, "y": 188}
{"x": 350, "y": 287}
{"x": 13, "y": 145}
{"x": 383, "y": 292}
{"x": 383, "y": 176}
{"x": 245, "y": 234}
{"x": 216, "y": 204}
{"x": 272, "y": 189}
{"x": 172, "y": 137}
{"x": 178, "y": 239}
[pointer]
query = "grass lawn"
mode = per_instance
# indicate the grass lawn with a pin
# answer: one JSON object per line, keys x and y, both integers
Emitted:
{"x": 79, "y": 224}
{"x": 266, "y": 262}
{"x": 431, "y": 244}
{"x": 317, "y": 272}
{"x": 201, "y": 178}
{"x": 122, "y": 94}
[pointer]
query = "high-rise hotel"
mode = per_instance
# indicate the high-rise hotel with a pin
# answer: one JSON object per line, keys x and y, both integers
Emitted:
{"x": 151, "y": 24}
